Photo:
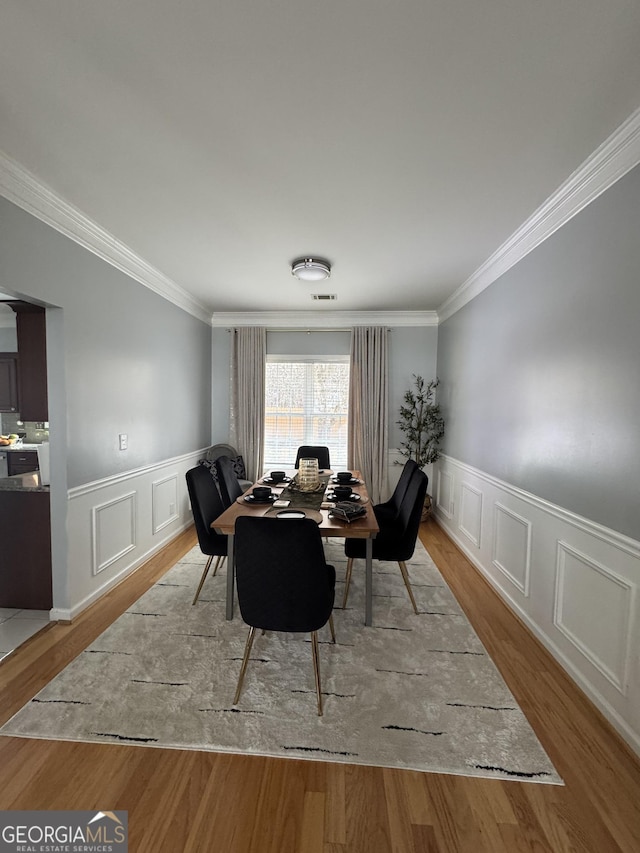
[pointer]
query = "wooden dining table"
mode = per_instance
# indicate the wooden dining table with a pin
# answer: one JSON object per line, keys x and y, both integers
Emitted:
{"x": 365, "y": 527}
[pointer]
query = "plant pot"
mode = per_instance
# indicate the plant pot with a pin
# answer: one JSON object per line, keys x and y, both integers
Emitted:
{"x": 427, "y": 509}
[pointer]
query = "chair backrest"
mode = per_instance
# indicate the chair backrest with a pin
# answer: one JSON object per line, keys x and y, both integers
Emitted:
{"x": 206, "y": 506}
{"x": 313, "y": 451}
{"x": 220, "y": 450}
{"x": 397, "y": 539}
{"x": 395, "y": 501}
{"x": 283, "y": 580}
{"x": 230, "y": 488}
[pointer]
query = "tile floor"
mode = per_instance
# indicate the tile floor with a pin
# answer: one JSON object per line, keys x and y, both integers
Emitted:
{"x": 16, "y": 626}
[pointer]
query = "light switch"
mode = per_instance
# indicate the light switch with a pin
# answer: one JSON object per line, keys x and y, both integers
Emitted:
{"x": 124, "y": 439}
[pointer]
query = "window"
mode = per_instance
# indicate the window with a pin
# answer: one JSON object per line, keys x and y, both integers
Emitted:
{"x": 306, "y": 402}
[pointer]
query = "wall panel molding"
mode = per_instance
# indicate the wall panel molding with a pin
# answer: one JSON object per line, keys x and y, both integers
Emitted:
{"x": 444, "y": 498}
{"x": 113, "y": 529}
{"x": 471, "y": 512}
{"x": 164, "y": 502}
{"x": 512, "y": 546}
{"x": 573, "y": 582}
{"x": 118, "y": 523}
{"x": 589, "y": 594}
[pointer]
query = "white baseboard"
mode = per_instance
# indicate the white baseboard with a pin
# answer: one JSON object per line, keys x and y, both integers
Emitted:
{"x": 573, "y": 582}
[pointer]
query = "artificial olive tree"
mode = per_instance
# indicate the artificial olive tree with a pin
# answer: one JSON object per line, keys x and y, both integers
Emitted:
{"x": 421, "y": 422}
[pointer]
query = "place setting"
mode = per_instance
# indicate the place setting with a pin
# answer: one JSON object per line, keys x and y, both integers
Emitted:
{"x": 345, "y": 478}
{"x": 259, "y": 496}
{"x": 340, "y": 489}
{"x": 276, "y": 477}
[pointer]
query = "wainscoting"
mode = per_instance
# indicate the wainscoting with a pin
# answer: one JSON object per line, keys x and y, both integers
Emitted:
{"x": 115, "y": 524}
{"x": 573, "y": 582}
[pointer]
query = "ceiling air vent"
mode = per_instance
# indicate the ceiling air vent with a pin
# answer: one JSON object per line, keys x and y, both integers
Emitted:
{"x": 324, "y": 297}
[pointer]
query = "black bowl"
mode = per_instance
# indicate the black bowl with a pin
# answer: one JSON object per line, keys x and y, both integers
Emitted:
{"x": 342, "y": 493}
{"x": 261, "y": 493}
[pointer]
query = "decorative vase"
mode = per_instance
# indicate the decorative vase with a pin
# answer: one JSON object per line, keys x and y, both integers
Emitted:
{"x": 308, "y": 475}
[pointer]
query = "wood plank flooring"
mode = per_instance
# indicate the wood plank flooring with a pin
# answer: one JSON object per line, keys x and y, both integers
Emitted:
{"x": 190, "y": 801}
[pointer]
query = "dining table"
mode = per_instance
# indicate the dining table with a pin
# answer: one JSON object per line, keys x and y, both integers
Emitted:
{"x": 365, "y": 527}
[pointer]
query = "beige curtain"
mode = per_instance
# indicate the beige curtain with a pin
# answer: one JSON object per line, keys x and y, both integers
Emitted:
{"x": 368, "y": 429}
{"x": 248, "y": 358}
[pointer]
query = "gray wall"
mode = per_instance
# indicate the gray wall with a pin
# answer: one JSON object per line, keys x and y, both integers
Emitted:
{"x": 411, "y": 350}
{"x": 540, "y": 372}
{"x": 133, "y": 362}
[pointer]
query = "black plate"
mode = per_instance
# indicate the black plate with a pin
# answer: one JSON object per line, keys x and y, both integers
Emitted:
{"x": 251, "y": 500}
{"x": 275, "y": 482}
{"x": 291, "y": 513}
{"x": 353, "y": 497}
{"x": 352, "y": 482}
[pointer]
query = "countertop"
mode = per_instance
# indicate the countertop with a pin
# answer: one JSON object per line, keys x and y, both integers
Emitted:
{"x": 23, "y": 483}
{"x": 14, "y": 447}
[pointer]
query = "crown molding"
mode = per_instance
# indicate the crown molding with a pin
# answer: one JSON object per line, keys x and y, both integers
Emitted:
{"x": 322, "y": 319}
{"x": 608, "y": 163}
{"x": 27, "y": 192}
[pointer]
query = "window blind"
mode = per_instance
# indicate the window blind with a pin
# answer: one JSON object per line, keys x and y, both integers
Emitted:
{"x": 306, "y": 402}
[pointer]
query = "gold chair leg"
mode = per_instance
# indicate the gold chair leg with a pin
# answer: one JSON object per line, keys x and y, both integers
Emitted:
{"x": 245, "y": 661}
{"x": 219, "y": 563}
{"x": 347, "y": 581}
{"x": 405, "y": 578}
{"x": 332, "y": 628}
{"x": 203, "y": 579}
{"x": 316, "y": 669}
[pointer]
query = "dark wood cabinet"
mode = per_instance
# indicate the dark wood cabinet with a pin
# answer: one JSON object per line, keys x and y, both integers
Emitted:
{"x": 9, "y": 382}
{"x": 32, "y": 364}
{"x": 25, "y": 555}
{"x": 22, "y": 461}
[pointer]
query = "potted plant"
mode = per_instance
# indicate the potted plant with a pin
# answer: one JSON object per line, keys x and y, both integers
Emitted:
{"x": 422, "y": 425}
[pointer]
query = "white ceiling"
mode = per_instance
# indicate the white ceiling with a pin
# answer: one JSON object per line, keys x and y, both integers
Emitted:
{"x": 404, "y": 141}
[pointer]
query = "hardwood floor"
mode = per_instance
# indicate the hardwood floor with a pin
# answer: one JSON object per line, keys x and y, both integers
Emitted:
{"x": 191, "y": 801}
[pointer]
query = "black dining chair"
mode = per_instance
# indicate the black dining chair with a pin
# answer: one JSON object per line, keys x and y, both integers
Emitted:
{"x": 230, "y": 488}
{"x": 313, "y": 451}
{"x": 396, "y": 540}
{"x": 284, "y": 583}
{"x": 206, "y": 506}
{"x": 388, "y": 511}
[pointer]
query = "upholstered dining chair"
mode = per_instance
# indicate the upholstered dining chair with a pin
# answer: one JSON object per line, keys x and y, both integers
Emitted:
{"x": 313, "y": 451}
{"x": 206, "y": 506}
{"x": 388, "y": 511}
{"x": 396, "y": 540}
{"x": 283, "y": 583}
{"x": 230, "y": 487}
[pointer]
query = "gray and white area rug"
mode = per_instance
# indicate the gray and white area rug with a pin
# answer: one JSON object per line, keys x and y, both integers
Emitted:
{"x": 415, "y": 691}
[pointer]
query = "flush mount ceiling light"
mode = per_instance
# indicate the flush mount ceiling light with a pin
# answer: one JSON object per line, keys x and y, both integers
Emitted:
{"x": 311, "y": 269}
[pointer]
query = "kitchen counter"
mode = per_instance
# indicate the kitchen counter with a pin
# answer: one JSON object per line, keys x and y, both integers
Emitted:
{"x": 23, "y": 483}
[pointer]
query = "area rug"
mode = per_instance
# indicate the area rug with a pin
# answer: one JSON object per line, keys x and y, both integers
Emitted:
{"x": 414, "y": 691}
